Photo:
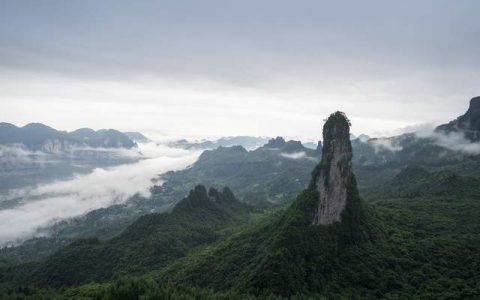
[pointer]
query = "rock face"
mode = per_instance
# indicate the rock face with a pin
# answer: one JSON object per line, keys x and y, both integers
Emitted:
{"x": 469, "y": 123}
{"x": 335, "y": 173}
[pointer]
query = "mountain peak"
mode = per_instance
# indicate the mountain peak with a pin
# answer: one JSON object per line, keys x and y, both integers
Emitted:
{"x": 468, "y": 123}
{"x": 7, "y": 125}
{"x": 38, "y": 126}
{"x": 475, "y": 103}
{"x": 137, "y": 136}
{"x": 277, "y": 142}
{"x": 292, "y": 146}
{"x": 201, "y": 203}
{"x": 335, "y": 175}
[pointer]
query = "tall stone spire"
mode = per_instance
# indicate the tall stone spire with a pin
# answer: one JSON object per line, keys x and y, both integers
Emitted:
{"x": 335, "y": 174}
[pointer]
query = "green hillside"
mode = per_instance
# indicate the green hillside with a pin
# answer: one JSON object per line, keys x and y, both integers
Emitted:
{"x": 148, "y": 244}
{"x": 417, "y": 181}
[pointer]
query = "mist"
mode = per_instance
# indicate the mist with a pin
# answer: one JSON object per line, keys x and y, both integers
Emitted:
{"x": 41, "y": 206}
{"x": 454, "y": 141}
{"x": 382, "y": 144}
{"x": 295, "y": 155}
{"x": 18, "y": 154}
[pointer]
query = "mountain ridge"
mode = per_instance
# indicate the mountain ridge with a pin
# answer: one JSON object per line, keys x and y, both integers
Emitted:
{"x": 38, "y": 136}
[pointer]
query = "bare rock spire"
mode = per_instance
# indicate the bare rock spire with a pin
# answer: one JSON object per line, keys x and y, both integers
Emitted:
{"x": 335, "y": 175}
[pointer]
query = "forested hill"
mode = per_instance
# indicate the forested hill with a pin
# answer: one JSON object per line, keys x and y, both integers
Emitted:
{"x": 148, "y": 244}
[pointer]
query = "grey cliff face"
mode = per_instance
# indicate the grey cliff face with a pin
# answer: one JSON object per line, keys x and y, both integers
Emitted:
{"x": 335, "y": 171}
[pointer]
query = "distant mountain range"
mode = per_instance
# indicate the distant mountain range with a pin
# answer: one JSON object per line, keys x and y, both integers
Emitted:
{"x": 37, "y": 136}
{"x": 247, "y": 142}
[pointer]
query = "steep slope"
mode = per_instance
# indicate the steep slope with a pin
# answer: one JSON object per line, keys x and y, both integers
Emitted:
{"x": 335, "y": 179}
{"x": 468, "y": 123}
{"x": 137, "y": 137}
{"x": 149, "y": 243}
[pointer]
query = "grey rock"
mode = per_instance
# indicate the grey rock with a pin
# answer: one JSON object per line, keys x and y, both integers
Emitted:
{"x": 335, "y": 170}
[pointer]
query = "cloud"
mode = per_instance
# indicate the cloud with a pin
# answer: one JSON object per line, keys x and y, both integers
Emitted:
{"x": 295, "y": 155}
{"x": 19, "y": 153}
{"x": 382, "y": 144}
{"x": 454, "y": 141}
{"x": 43, "y": 205}
{"x": 12, "y": 154}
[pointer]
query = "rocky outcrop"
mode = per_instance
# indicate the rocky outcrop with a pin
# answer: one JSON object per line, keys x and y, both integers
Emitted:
{"x": 277, "y": 142}
{"x": 335, "y": 175}
{"x": 469, "y": 123}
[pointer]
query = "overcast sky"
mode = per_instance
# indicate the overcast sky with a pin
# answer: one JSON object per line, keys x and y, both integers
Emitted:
{"x": 213, "y": 68}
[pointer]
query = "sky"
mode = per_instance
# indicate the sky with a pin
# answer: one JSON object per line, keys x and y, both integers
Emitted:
{"x": 220, "y": 68}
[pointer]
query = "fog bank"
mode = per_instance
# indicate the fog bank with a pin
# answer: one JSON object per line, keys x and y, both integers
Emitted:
{"x": 43, "y": 205}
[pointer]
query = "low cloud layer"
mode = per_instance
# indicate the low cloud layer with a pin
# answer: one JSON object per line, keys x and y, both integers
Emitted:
{"x": 382, "y": 144}
{"x": 295, "y": 155}
{"x": 18, "y": 154}
{"x": 43, "y": 205}
{"x": 454, "y": 141}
